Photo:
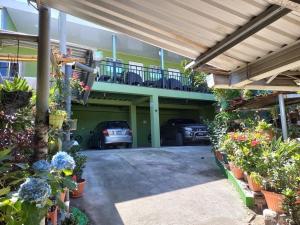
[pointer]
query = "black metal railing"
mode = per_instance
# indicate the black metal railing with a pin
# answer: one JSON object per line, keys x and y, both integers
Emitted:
{"x": 117, "y": 72}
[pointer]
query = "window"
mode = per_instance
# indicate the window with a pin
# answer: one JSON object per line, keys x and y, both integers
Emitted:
{"x": 110, "y": 68}
{"x": 174, "y": 73}
{"x": 9, "y": 69}
{"x": 137, "y": 68}
{"x": 154, "y": 73}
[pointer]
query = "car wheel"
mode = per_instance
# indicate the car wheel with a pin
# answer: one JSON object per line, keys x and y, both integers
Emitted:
{"x": 179, "y": 139}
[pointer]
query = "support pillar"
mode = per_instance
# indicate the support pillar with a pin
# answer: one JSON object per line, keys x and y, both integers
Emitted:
{"x": 162, "y": 59}
{"x": 42, "y": 85}
{"x": 62, "y": 33}
{"x": 154, "y": 116}
{"x": 133, "y": 125}
{"x": 114, "y": 56}
{"x": 282, "y": 116}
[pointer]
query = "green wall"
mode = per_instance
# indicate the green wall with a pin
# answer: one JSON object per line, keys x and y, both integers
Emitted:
{"x": 89, "y": 116}
{"x": 145, "y": 60}
{"x": 29, "y": 68}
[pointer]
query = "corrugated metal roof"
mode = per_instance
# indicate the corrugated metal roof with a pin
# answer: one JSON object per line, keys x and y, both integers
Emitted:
{"x": 189, "y": 27}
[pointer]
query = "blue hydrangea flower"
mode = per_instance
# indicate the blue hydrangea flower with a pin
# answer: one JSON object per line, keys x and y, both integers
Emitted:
{"x": 34, "y": 190}
{"x": 63, "y": 161}
{"x": 41, "y": 166}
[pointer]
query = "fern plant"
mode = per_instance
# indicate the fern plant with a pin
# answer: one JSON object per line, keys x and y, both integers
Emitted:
{"x": 17, "y": 84}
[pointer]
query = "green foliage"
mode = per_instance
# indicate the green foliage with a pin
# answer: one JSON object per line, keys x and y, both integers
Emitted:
{"x": 263, "y": 126}
{"x": 80, "y": 161}
{"x": 223, "y": 96}
{"x": 18, "y": 84}
{"x": 218, "y": 128}
{"x": 80, "y": 217}
{"x": 198, "y": 77}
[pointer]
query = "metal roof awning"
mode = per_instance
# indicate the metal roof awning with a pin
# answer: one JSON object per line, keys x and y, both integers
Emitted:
{"x": 263, "y": 102}
{"x": 229, "y": 39}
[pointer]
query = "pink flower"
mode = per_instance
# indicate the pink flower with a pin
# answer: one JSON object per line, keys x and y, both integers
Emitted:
{"x": 75, "y": 76}
{"x": 87, "y": 88}
{"x": 254, "y": 143}
{"x": 82, "y": 84}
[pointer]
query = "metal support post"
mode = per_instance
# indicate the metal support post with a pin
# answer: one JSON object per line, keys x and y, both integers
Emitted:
{"x": 62, "y": 33}
{"x": 114, "y": 56}
{"x": 162, "y": 66}
{"x": 42, "y": 85}
{"x": 283, "y": 116}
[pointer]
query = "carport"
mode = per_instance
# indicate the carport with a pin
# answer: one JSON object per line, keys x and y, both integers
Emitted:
{"x": 249, "y": 44}
{"x": 246, "y": 45}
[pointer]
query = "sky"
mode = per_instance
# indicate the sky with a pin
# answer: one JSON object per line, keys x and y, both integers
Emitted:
{"x": 55, "y": 13}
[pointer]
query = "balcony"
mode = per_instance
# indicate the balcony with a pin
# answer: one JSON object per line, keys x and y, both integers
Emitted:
{"x": 121, "y": 73}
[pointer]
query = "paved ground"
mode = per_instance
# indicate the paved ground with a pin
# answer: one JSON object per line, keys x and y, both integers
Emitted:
{"x": 167, "y": 186}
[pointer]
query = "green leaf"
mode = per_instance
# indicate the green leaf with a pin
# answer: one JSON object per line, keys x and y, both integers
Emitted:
{"x": 4, "y": 154}
{"x": 4, "y": 191}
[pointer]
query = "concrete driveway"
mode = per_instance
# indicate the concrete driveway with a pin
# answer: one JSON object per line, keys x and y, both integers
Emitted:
{"x": 166, "y": 186}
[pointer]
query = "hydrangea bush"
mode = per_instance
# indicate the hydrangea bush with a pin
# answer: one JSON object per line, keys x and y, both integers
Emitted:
{"x": 35, "y": 190}
{"x": 61, "y": 161}
{"x": 41, "y": 166}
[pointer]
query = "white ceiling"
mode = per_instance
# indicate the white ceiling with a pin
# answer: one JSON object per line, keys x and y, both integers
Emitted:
{"x": 81, "y": 32}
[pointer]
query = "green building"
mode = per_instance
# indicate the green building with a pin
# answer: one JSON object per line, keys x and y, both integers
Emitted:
{"x": 144, "y": 104}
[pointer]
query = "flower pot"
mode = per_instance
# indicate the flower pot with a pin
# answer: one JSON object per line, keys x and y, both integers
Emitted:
{"x": 254, "y": 186}
{"x": 52, "y": 215}
{"x": 56, "y": 121}
{"x": 274, "y": 200}
{"x": 225, "y": 157}
{"x": 218, "y": 155}
{"x": 237, "y": 172}
{"x": 78, "y": 192}
{"x": 63, "y": 195}
{"x": 13, "y": 100}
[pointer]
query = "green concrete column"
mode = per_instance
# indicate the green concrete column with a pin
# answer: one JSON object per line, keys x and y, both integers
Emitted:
{"x": 154, "y": 116}
{"x": 133, "y": 125}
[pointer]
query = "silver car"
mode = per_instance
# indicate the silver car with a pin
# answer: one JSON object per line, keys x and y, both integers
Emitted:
{"x": 111, "y": 133}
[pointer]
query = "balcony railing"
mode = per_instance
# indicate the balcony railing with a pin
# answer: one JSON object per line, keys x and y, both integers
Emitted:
{"x": 116, "y": 72}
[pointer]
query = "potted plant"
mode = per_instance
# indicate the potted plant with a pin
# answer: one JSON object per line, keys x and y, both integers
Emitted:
{"x": 281, "y": 172}
{"x": 80, "y": 161}
{"x": 56, "y": 118}
{"x": 265, "y": 128}
{"x": 15, "y": 94}
{"x": 52, "y": 214}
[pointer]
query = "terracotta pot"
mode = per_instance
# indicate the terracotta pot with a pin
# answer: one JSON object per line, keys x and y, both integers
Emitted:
{"x": 253, "y": 185}
{"x": 52, "y": 215}
{"x": 298, "y": 197}
{"x": 78, "y": 192}
{"x": 63, "y": 195}
{"x": 237, "y": 172}
{"x": 219, "y": 155}
{"x": 274, "y": 201}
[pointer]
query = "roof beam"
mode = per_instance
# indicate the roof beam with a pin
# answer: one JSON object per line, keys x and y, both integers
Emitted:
{"x": 290, "y": 4}
{"x": 286, "y": 59}
{"x": 221, "y": 81}
{"x": 264, "y": 19}
{"x": 18, "y": 36}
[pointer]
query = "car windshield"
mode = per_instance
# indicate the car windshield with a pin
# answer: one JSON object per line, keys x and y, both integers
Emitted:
{"x": 117, "y": 124}
{"x": 184, "y": 121}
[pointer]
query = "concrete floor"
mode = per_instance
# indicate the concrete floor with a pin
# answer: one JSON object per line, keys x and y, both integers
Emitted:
{"x": 167, "y": 186}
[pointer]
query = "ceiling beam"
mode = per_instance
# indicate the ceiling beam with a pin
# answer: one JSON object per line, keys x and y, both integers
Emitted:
{"x": 259, "y": 22}
{"x": 280, "y": 62}
{"x": 18, "y": 36}
{"x": 221, "y": 81}
{"x": 290, "y": 4}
